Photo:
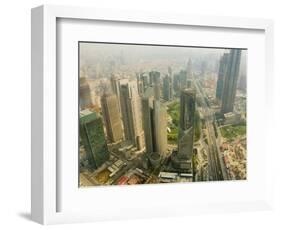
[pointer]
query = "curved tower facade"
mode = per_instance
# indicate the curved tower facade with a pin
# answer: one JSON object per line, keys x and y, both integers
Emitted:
{"x": 183, "y": 159}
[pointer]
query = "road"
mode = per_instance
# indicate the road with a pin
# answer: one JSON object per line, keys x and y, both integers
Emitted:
{"x": 216, "y": 166}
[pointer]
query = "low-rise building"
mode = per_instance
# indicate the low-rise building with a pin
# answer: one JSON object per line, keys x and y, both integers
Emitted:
{"x": 231, "y": 118}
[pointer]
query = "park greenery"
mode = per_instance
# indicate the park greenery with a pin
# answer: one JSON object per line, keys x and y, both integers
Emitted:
{"x": 230, "y": 132}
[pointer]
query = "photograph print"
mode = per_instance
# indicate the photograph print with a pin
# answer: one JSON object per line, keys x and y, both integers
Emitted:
{"x": 151, "y": 114}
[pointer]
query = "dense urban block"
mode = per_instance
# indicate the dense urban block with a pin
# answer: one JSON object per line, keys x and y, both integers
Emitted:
{"x": 161, "y": 114}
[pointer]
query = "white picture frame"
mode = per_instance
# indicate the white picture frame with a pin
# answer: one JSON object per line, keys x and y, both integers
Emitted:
{"x": 45, "y": 162}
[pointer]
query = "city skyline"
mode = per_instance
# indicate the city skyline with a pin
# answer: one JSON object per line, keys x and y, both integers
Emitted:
{"x": 111, "y": 57}
{"x": 162, "y": 114}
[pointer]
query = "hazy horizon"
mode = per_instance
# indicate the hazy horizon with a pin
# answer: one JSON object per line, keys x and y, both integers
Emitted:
{"x": 104, "y": 58}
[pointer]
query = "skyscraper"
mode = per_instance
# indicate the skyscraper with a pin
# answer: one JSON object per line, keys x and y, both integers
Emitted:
{"x": 147, "y": 115}
{"x": 116, "y": 82}
{"x": 140, "y": 84}
{"x": 230, "y": 81}
{"x": 189, "y": 69}
{"x": 145, "y": 81}
{"x": 112, "y": 117}
{"x": 221, "y": 75}
{"x": 153, "y": 75}
{"x": 154, "y": 123}
{"x": 160, "y": 127}
{"x": 93, "y": 138}
{"x": 242, "y": 81}
{"x": 176, "y": 84}
{"x": 170, "y": 71}
{"x": 203, "y": 68}
{"x": 131, "y": 114}
{"x": 183, "y": 158}
{"x": 167, "y": 88}
{"x": 183, "y": 79}
{"x": 154, "y": 80}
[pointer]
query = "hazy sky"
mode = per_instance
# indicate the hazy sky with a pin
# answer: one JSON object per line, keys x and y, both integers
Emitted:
{"x": 99, "y": 51}
{"x": 103, "y": 56}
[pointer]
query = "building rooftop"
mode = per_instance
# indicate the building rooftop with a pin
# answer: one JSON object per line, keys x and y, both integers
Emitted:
{"x": 85, "y": 112}
{"x": 88, "y": 115}
{"x": 230, "y": 114}
{"x": 189, "y": 91}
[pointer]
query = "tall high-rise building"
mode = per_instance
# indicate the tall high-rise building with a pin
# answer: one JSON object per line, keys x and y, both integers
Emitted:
{"x": 189, "y": 83}
{"x": 183, "y": 158}
{"x": 84, "y": 93}
{"x": 170, "y": 71}
{"x": 167, "y": 88}
{"x": 131, "y": 114}
{"x": 116, "y": 82}
{"x": 154, "y": 80}
{"x": 203, "y": 68}
{"x": 93, "y": 138}
{"x": 145, "y": 81}
{"x": 112, "y": 117}
{"x": 230, "y": 81}
{"x": 189, "y": 69}
{"x": 186, "y": 123}
{"x": 183, "y": 79}
{"x": 221, "y": 74}
{"x": 242, "y": 81}
{"x": 154, "y": 123}
{"x": 140, "y": 83}
{"x": 176, "y": 84}
{"x": 153, "y": 76}
{"x": 160, "y": 127}
{"x": 147, "y": 116}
